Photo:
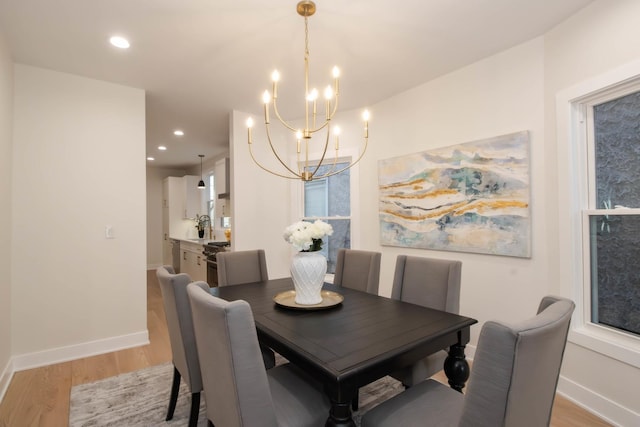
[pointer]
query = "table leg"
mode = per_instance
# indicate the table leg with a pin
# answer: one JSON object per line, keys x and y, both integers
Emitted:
{"x": 456, "y": 367}
{"x": 340, "y": 415}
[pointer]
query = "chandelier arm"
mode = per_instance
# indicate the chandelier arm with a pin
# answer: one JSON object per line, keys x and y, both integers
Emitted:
{"x": 324, "y": 125}
{"x": 270, "y": 171}
{"x": 324, "y": 153}
{"x": 275, "y": 153}
{"x": 284, "y": 123}
{"x": 366, "y": 141}
{"x": 330, "y": 171}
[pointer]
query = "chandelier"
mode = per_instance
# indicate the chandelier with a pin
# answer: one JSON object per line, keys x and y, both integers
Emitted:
{"x": 305, "y": 168}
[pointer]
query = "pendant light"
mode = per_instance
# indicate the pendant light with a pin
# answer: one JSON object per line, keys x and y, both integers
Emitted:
{"x": 201, "y": 183}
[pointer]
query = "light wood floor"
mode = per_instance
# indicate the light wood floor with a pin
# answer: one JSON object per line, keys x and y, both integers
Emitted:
{"x": 40, "y": 397}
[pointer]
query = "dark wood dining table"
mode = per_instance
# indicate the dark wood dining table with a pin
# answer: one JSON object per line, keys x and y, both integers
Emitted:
{"x": 356, "y": 342}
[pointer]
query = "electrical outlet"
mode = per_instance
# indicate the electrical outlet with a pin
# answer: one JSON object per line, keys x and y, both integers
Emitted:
{"x": 108, "y": 232}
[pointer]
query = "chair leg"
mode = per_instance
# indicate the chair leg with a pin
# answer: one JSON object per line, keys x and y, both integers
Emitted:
{"x": 195, "y": 409}
{"x": 354, "y": 402}
{"x": 175, "y": 387}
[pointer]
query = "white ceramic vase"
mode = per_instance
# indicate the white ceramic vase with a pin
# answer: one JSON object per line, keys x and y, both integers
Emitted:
{"x": 307, "y": 271}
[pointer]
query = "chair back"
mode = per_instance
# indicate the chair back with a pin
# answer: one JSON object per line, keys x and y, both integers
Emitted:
{"x": 180, "y": 325}
{"x": 516, "y": 368}
{"x": 235, "y": 381}
{"x": 429, "y": 282}
{"x": 359, "y": 270}
{"x": 236, "y": 268}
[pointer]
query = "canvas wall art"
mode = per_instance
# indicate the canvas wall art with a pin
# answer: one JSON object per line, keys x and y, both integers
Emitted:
{"x": 471, "y": 197}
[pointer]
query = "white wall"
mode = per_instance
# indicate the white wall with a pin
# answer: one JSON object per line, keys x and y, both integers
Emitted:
{"x": 6, "y": 126}
{"x": 499, "y": 95}
{"x": 601, "y": 38}
{"x": 78, "y": 166}
{"x": 260, "y": 202}
{"x": 154, "y": 213}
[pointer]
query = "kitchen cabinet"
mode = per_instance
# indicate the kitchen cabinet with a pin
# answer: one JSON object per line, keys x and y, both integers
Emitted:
{"x": 172, "y": 223}
{"x": 182, "y": 197}
{"x": 222, "y": 208}
{"x": 192, "y": 261}
{"x": 191, "y": 197}
{"x": 221, "y": 177}
{"x": 181, "y": 200}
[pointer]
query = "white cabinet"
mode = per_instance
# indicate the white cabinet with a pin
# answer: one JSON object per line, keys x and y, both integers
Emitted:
{"x": 181, "y": 201}
{"x": 192, "y": 261}
{"x": 221, "y": 176}
{"x": 222, "y": 208}
{"x": 191, "y": 197}
{"x": 172, "y": 223}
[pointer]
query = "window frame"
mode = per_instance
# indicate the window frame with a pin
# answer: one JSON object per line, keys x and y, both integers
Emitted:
{"x": 576, "y": 165}
{"x": 297, "y": 194}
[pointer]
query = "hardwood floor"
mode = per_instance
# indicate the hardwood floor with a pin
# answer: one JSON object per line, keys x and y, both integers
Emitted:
{"x": 40, "y": 396}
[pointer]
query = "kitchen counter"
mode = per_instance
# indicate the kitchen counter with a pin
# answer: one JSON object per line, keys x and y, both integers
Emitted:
{"x": 202, "y": 241}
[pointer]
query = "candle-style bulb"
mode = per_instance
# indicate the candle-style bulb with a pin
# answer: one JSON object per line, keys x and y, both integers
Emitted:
{"x": 366, "y": 115}
{"x": 313, "y": 95}
{"x": 335, "y": 72}
{"x": 249, "y": 126}
{"x": 275, "y": 76}
{"x": 266, "y": 97}
{"x": 328, "y": 93}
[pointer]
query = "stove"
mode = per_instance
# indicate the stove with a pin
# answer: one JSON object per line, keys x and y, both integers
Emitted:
{"x": 210, "y": 251}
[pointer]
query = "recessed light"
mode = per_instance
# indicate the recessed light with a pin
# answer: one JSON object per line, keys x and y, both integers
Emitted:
{"x": 151, "y": 158}
{"x": 162, "y": 148}
{"x": 120, "y": 42}
{"x": 178, "y": 132}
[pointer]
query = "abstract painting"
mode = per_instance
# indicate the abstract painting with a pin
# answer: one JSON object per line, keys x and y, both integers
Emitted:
{"x": 471, "y": 197}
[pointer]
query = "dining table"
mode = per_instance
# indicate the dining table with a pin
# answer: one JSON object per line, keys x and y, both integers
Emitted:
{"x": 353, "y": 338}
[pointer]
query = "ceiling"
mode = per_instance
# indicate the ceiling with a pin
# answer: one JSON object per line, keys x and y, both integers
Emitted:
{"x": 199, "y": 59}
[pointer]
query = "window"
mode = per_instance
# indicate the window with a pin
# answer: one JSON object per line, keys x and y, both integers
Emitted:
{"x": 612, "y": 220}
{"x": 599, "y": 210}
{"x": 329, "y": 199}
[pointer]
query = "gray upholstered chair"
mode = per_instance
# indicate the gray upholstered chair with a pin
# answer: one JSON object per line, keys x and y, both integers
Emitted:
{"x": 433, "y": 283}
{"x": 183, "y": 345}
{"x": 236, "y": 268}
{"x": 239, "y": 267}
{"x": 238, "y": 390}
{"x": 513, "y": 379}
{"x": 359, "y": 270}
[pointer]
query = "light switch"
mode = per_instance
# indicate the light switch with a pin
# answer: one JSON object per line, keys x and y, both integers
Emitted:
{"x": 108, "y": 232}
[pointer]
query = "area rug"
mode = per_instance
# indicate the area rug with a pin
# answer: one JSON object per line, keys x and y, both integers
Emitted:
{"x": 140, "y": 398}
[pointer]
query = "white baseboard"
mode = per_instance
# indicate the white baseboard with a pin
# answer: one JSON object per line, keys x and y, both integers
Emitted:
{"x": 5, "y": 378}
{"x": 154, "y": 266}
{"x": 78, "y": 351}
{"x": 597, "y": 404}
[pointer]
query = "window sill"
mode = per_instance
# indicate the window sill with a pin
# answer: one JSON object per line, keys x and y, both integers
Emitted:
{"x": 611, "y": 343}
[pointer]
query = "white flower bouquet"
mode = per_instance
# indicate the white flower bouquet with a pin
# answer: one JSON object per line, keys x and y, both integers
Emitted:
{"x": 306, "y": 236}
